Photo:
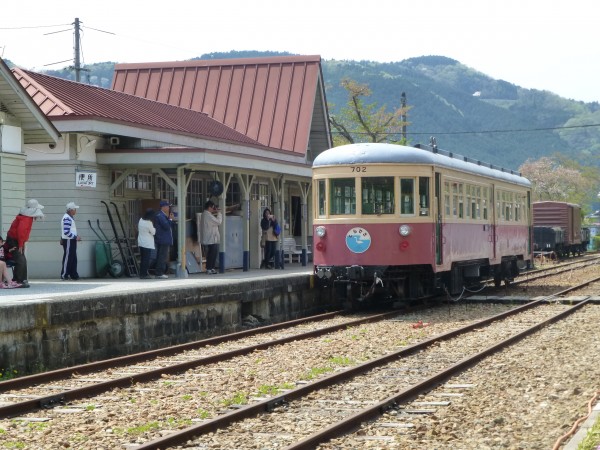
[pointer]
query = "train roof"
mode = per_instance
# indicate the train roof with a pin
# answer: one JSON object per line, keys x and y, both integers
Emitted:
{"x": 380, "y": 153}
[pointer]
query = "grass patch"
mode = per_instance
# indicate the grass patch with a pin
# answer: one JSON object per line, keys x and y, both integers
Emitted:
{"x": 240, "y": 398}
{"x": 592, "y": 438}
{"x": 13, "y": 444}
{"x": 8, "y": 374}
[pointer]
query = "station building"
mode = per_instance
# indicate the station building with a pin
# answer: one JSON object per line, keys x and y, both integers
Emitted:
{"x": 242, "y": 132}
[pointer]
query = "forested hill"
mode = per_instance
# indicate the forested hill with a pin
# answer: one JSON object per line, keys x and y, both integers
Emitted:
{"x": 468, "y": 112}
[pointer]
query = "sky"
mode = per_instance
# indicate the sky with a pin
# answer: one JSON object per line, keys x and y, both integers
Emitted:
{"x": 536, "y": 44}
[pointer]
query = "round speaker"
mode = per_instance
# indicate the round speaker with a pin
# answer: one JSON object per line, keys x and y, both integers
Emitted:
{"x": 215, "y": 188}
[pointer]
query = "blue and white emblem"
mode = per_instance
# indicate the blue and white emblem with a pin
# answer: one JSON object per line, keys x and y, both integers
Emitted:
{"x": 358, "y": 240}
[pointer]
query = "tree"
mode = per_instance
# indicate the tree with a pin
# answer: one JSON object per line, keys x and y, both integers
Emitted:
{"x": 360, "y": 122}
{"x": 558, "y": 179}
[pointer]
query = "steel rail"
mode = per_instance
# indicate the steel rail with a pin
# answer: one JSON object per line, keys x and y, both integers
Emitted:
{"x": 61, "y": 398}
{"x": 351, "y": 423}
{"x": 59, "y": 374}
{"x": 182, "y": 436}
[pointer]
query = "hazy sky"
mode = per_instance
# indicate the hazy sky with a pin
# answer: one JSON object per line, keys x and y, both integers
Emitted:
{"x": 542, "y": 44}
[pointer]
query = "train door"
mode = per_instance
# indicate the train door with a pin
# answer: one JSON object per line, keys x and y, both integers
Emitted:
{"x": 493, "y": 236}
{"x": 438, "y": 221}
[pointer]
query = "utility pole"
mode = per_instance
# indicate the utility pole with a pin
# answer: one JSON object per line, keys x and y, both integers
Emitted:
{"x": 77, "y": 59}
{"x": 403, "y": 106}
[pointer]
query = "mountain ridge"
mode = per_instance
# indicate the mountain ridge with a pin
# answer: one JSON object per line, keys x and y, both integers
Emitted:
{"x": 466, "y": 111}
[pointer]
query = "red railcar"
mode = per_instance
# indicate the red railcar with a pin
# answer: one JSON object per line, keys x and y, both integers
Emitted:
{"x": 406, "y": 222}
{"x": 565, "y": 220}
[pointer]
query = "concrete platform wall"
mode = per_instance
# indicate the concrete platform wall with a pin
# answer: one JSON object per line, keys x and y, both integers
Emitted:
{"x": 51, "y": 334}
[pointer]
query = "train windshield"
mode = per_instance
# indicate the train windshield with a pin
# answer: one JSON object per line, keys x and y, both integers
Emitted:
{"x": 343, "y": 196}
{"x": 378, "y": 195}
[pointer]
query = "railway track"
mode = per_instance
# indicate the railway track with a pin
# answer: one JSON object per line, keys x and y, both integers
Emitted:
{"x": 64, "y": 404}
{"x": 339, "y": 403}
{"x": 69, "y": 384}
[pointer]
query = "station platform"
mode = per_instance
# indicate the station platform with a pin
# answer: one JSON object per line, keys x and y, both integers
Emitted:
{"x": 54, "y": 323}
{"x": 48, "y": 289}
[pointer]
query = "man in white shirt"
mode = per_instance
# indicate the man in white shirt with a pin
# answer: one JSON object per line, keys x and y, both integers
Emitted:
{"x": 69, "y": 239}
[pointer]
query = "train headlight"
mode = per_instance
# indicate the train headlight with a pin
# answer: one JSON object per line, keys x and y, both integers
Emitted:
{"x": 404, "y": 230}
{"x": 320, "y": 230}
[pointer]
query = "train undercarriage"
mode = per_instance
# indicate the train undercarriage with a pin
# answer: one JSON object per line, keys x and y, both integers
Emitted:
{"x": 353, "y": 285}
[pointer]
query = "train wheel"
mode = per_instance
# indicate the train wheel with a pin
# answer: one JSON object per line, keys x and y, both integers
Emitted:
{"x": 498, "y": 280}
{"x": 353, "y": 297}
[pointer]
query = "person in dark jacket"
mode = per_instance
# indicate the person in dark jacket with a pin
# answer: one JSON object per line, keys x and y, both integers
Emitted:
{"x": 267, "y": 224}
{"x": 163, "y": 237}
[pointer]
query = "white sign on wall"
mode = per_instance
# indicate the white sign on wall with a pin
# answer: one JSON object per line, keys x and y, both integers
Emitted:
{"x": 85, "y": 179}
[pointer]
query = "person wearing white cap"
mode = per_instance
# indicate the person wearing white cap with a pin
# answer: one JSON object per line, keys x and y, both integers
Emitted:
{"x": 69, "y": 239}
{"x": 18, "y": 235}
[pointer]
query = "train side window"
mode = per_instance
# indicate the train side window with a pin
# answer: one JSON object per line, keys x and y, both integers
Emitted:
{"x": 468, "y": 200}
{"x": 407, "y": 192}
{"x": 322, "y": 196}
{"x": 342, "y": 196}
{"x": 484, "y": 202}
{"x": 423, "y": 196}
{"x": 447, "y": 202}
{"x": 378, "y": 195}
{"x": 461, "y": 211}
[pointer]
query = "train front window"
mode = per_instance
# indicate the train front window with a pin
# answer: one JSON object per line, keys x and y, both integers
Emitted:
{"x": 343, "y": 196}
{"x": 378, "y": 195}
{"x": 407, "y": 192}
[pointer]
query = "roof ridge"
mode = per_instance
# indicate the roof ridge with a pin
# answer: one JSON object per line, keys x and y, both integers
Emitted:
{"x": 91, "y": 101}
{"x": 222, "y": 62}
{"x": 23, "y": 75}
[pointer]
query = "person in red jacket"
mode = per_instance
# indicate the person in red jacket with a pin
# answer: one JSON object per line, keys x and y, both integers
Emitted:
{"x": 18, "y": 235}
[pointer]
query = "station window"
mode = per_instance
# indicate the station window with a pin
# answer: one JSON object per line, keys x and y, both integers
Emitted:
{"x": 378, "y": 195}
{"x": 407, "y": 193}
{"x": 165, "y": 190}
{"x": 119, "y": 189}
{"x": 423, "y": 196}
{"x": 144, "y": 182}
{"x": 260, "y": 191}
{"x": 233, "y": 195}
{"x": 195, "y": 198}
{"x": 343, "y": 196}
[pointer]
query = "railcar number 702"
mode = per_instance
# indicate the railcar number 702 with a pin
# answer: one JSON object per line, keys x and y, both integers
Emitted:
{"x": 359, "y": 168}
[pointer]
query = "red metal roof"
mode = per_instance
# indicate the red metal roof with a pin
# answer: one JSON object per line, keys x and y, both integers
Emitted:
{"x": 268, "y": 99}
{"x": 59, "y": 98}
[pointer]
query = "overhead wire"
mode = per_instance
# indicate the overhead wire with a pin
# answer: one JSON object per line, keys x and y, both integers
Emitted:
{"x": 516, "y": 130}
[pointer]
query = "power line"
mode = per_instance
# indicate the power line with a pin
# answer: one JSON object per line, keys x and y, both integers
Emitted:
{"x": 516, "y": 130}
{"x": 37, "y": 26}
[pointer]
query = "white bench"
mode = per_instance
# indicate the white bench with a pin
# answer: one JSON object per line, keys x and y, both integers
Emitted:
{"x": 292, "y": 251}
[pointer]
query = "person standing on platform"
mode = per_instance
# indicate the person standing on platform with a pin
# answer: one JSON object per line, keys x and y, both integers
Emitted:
{"x": 163, "y": 237}
{"x": 5, "y": 278}
{"x": 210, "y": 221}
{"x": 146, "y": 232}
{"x": 268, "y": 224}
{"x": 18, "y": 235}
{"x": 68, "y": 240}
